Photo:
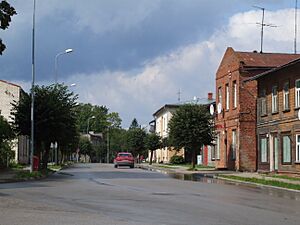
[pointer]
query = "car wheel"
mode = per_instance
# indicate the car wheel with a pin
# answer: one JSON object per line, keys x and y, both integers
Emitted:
{"x": 132, "y": 166}
{"x": 116, "y": 166}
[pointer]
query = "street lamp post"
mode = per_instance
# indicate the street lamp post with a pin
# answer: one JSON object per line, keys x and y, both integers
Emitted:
{"x": 69, "y": 50}
{"x": 32, "y": 93}
{"x": 107, "y": 153}
{"x": 88, "y": 124}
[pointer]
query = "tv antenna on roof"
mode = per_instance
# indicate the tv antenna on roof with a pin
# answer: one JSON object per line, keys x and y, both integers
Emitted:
{"x": 262, "y": 24}
{"x": 179, "y": 93}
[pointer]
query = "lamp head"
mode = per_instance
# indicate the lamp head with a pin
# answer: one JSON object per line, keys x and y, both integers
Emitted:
{"x": 69, "y": 50}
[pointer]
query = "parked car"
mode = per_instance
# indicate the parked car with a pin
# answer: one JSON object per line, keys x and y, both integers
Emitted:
{"x": 124, "y": 159}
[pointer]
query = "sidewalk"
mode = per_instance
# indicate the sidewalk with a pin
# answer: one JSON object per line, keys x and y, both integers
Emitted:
{"x": 270, "y": 180}
{"x": 8, "y": 175}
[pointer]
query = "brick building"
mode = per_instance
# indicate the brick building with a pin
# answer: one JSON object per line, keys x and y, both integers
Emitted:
{"x": 236, "y": 106}
{"x": 278, "y": 118}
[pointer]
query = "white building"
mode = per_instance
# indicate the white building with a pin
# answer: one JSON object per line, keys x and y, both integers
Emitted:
{"x": 10, "y": 93}
{"x": 162, "y": 118}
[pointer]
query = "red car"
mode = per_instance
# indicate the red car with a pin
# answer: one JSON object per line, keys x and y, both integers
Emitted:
{"x": 124, "y": 159}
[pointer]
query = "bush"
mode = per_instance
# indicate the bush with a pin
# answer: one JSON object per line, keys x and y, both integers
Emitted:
{"x": 177, "y": 159}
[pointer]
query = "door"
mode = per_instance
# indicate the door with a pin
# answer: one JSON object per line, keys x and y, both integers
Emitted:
{"x": 276, "y": 160}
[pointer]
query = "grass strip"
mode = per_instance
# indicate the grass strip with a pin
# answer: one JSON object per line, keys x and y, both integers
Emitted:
{"x": 285, "y": 177}
{"x": 263, "y": 181}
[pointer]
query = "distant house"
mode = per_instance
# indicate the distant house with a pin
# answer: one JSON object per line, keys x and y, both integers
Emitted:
{"x": 278, "y": 118}
{"x": 162, "y": 117}
{"x": 161, "y": 120}
{"x": 10, "y": 93}
{"x": 235, "y": 121}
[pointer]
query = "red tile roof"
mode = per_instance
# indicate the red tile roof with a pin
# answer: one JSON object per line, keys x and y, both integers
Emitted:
{"x": 254, "y": 59}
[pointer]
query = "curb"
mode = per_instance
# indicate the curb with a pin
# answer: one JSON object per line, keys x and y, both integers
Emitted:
{"x": 256, "y": 184}
{"x": 216, "y": 176}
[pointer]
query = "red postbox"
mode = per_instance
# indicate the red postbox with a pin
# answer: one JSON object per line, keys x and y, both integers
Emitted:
{"x": 36, "y": 162}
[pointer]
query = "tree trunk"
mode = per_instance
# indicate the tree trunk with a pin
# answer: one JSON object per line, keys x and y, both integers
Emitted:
{"x": 151, "y": 157}
{"x": 193, "y": 157}
{"x": 45, "y": 159}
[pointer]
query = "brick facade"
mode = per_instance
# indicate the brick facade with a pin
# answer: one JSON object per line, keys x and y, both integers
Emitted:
{"x": 278, "y": 129}
{"x": 236, "y": 123}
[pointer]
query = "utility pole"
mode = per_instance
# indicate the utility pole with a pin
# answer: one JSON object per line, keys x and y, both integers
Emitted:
{"x": 107, "y": 153}
{"x": 32, "y": 93}
{"x": 295, "y": 40}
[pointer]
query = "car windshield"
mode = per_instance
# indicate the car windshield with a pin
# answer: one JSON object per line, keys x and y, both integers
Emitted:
{"x": 124, "y": 154}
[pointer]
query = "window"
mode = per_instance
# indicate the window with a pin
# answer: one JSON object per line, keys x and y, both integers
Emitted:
{"x": 234, "y": 91}
{"x": 220, "y": 94}
{"x": 233, "y": 148}
{"x": 274, "y": 99}
{"x": 286, "y": 94}
{"x": 218, "y": 147}
{"x": 213, "y": 152}
{"x": 263, "y": 102}
{"x": 263, "y": 150}
{"x": 286, "y": 149}
{"x": 227, "y": 96}
{"x": 298, "y": 148}
{"x": 297, "y": 94}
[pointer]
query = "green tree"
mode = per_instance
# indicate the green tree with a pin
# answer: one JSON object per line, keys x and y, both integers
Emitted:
{"x": 85, "y": 147}
{"x": 135, "y": 141}
{"x": 6, "y": 12}
{"x": 152, "y": 142}
{"x": 191, "y": 128}
{"x": 54, "y": 121}
{"x": 134, "y": 124}
{"x": 6, "y": 135}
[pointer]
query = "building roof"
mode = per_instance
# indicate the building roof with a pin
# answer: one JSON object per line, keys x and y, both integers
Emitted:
{"x": 291, "y": 63}
{"x": 166, "y": 106}
{"x": 3, "y": 81}
{"x": 255, "y": 59}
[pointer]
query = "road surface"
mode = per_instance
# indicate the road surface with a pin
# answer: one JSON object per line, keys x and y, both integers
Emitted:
{"x": 100, "y": 194}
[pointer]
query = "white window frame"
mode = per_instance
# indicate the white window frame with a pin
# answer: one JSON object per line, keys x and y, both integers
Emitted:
{"x": 264, "y": 154}
{"x": 297, "y": 160}
{"x": 263, "y": 102}
{"x": 297, "y": 95}
{"x": 218, "y": 147}
{"x": 286, "y": 96}
{"x": 227, "y": 96}
{"x": 275, "y": 99}
{"x": 233, "y": 144}
{"x": 285, "y": 151}
{"x": 220, "y": 95}
{"x": 234, "y": 94}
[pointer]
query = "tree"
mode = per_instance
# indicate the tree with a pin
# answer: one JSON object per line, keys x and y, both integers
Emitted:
{"x": 6, "y": 135}
{"x": 54, "y": 121}
{"x": 6, "y": 12}
{"x": 85, "y": 147}
{"x": 134, "y": 124}
{"x": 152, "y": 142}
{"x": 191, "y": 128}
{"x": 135, "y": 141}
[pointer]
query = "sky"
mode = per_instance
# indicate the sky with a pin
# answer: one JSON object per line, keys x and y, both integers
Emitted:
{"x": 134, "y": 56}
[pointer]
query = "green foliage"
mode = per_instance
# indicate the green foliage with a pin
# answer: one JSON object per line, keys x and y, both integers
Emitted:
{"x": 85, "y": 146}
{"x": 135, "y": 138}
{"x": 191, "y": 128}
{"x": 134, "y": 124}
{"x": 6, "y": 12}
{"x": 152, "y": 142}
{"x": 6, "y": 135}
{"x": 54, "y": 118}
{"x": 177, "y": 159}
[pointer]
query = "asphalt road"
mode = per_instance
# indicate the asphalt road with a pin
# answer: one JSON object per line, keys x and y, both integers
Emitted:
{"x": 100, "y": 194}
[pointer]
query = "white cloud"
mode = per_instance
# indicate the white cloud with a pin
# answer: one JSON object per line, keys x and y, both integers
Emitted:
{"x": 191, "y": 68}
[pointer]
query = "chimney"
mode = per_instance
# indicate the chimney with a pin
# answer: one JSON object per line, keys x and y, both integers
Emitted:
{"x": 210, "y": 96}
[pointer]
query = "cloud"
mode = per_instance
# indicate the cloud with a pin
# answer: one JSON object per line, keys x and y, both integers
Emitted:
{"x": 191, "y": 68}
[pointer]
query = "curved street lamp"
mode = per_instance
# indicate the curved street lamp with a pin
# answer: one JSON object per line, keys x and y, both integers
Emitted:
{"x": 69, "y": 50}
{"x": 88, "y": 124}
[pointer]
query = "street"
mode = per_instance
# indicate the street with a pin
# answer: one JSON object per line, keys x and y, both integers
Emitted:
{"x": 100, "y": 194}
